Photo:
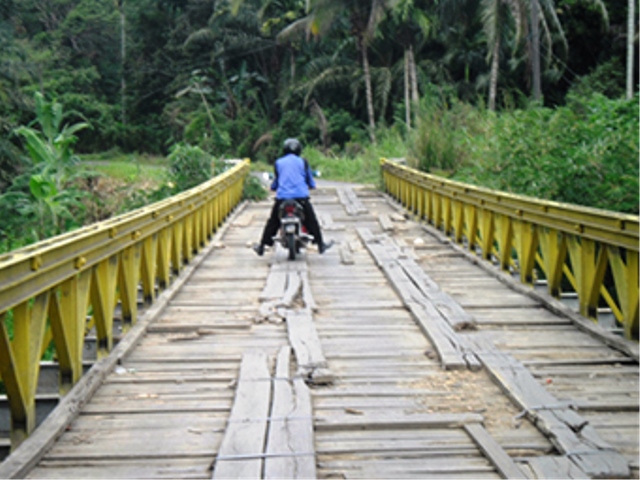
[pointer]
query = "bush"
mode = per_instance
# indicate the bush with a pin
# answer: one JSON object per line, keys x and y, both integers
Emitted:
{"x": 189, "y": 166}
{"x": 585, "y": 153}
{"x": 253, "y": 189}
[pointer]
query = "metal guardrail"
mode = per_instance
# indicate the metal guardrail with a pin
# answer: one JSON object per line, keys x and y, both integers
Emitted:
{"x": 593, "y": 251}
{"x": 61, "y": 288}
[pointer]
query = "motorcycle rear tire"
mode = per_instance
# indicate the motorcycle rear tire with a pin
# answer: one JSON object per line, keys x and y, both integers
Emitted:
{"x": 291, "y": 246}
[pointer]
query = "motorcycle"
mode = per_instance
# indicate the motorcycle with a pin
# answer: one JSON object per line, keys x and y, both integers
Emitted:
{"x": 293, "y": 235}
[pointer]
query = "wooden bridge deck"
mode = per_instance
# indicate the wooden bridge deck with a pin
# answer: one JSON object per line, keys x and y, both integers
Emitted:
{"x": 525, "y": 392}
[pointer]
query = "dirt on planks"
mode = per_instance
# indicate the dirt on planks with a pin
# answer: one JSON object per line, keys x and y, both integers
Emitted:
{"x": 463, "y": 391}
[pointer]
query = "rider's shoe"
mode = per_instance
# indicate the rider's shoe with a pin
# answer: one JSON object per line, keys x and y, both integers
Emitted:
{"x": 259, "y": 249}
{"x": 325, "y": 246}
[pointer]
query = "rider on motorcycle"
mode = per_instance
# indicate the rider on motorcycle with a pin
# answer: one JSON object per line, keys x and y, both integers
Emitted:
{"x": 292, "y": 180}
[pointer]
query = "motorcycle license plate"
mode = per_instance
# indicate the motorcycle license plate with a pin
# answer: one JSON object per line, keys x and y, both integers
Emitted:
{"x": 290, "y": 228}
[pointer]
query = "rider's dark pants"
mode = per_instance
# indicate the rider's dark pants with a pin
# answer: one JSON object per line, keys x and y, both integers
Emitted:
{"x": 310, "y": 222}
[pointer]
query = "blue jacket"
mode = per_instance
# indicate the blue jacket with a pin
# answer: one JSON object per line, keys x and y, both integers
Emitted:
{"x": 293, "y": 177}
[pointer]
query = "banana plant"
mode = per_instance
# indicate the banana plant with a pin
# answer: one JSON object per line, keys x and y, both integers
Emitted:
{"x": 42, "y": 197}
{"x": 50, "y": 148}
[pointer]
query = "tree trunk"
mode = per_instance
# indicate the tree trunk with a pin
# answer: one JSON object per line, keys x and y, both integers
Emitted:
{"x": 535, "y": 49}
{"x": 407, "y": 86}
{"x": 123, "y": 53}
{"x": 631, "y": 16}
{"x": 368, "y": 90}
{"x": 493, "y": 80}
{"x": 292, "y": 59}
{"x": 414, "y": 76}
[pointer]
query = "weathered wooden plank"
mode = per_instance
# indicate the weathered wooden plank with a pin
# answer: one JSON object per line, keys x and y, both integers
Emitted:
{"x": 276, "y": 284}
{"x": 565, "y": 428}
{"x": 451, "y": 348}
{"x": 165, "y": 467}
{"x": 450, "y": 357}
{"x": 294, "y": 286}
{"x": 346, "y": 255}
{"x": 240, "y": 455}
{"x": 382, "y": 421}
{"x": 303, "y": 337}
{"x": 307, "y": 294}
{"x": 96, "y": 444}
{"x": 385, "y": 222}
{"x": 554, "y": 467}
{"x": 243, "y": 220}
{"x": 451, "y": 310}
{"x": 350, "y": 201}
{"x": 290, "y": 448}
{"x": 327, "y": 223}
{"x": 494, "y": 452}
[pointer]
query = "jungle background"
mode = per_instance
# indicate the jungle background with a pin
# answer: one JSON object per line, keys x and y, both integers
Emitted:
{"x": 106, "y": 105}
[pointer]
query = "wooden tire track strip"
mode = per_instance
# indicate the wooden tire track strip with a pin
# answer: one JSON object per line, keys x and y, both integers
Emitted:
{"x": 270, "y": 430}
{"x": 584, "y": 452}
{"x": 437, "y": 314}
{"x": 288, "y": 283}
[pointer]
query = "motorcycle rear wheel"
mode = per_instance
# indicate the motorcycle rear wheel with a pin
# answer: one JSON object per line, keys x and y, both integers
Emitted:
{"x": 291, "y": 246}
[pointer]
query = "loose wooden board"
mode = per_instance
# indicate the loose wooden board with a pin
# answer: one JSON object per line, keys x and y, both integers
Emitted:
{"x": 240, "y": 455}
{"x": 290, "y": 449}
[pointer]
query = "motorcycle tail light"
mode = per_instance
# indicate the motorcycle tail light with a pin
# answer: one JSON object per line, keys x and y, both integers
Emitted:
{"x": 289, "y": 209}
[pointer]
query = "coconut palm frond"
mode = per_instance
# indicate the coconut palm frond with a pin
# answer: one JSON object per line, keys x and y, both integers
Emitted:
{"x": 294, "y": 31}
{"x": 603, "y": 10}
{"x": 383, "y": 81}
{"x": 550, "y": 14}
{"x": 204, "y": 35}
{"x": 492, "y": 21}
{"x": 376, "y": 14}
{"x": 519, "y": 13}
{"x": 330, "y": 78}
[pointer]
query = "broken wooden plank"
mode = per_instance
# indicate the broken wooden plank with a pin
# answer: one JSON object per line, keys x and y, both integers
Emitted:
{"x": 294, "y": 286}
{"x": 307, "y": 295}
{"x": 493, "y": 451}
{"x": 241, "y": 451}
{"x": 452, "y": 349}
{"x": 566, "y": 429}
{"x": 451, "y": 310}
{"x": 346, "y": 255}
{"x": 350, "y": 201}
{"x": 290, "y": 446}
{"x": 385, "y": 223}
{"x": 303, "y": 337}
{"x": 427, "y": 319}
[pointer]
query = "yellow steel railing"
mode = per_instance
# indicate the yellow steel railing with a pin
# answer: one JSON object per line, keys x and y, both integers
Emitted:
{"x": 61, "y": 288}
{"x": 596, "y": 251}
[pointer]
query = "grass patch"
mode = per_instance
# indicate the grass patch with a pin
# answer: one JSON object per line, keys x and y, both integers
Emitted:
{"x": 128, "y": 168}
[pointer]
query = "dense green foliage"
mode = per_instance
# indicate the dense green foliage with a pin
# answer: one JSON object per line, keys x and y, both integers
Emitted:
{"x": 44, "y": 199}
{"x": 584, "y": 153}
{"x": 355, "y": 80}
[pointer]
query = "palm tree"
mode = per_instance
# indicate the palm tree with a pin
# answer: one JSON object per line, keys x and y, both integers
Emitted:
{"x": 497, "y": 17}
{"x": 364, "y": 17}
{"x": 120, "y": 6}
{"x": 631, "y": 19}
{"x": 412, "y": 26}
{"x": 509, "y": 21}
